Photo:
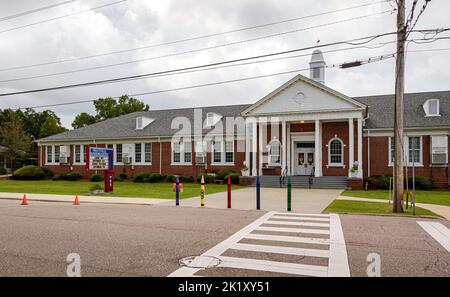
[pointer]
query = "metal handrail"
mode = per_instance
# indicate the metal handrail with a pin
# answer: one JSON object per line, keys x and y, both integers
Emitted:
{"x": 311, "y": 177}
{"x": 283, "y": 177}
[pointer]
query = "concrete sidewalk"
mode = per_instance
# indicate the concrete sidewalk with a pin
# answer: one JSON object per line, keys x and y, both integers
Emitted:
{"x": 272, "y": 199}
{"x": 83, "y": 199}
{"x": 441, "y": 210}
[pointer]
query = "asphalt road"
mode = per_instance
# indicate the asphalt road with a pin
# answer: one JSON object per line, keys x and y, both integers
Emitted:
{"x": 136, "y": 240}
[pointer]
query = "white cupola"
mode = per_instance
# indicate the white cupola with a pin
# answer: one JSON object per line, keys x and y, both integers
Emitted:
{"x": 317, "y": 67}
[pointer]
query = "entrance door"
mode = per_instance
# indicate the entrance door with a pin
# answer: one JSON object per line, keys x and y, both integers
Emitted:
{"x": 303, "y": 158}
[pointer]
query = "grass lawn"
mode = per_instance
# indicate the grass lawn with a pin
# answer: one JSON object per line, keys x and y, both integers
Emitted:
{"x": 430, "y": 197}
{"x": 381, "y": 208}
{"x": 121, "y": 189}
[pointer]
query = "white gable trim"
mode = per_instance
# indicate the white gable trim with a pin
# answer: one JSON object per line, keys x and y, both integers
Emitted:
{"x": 299, "y": 77}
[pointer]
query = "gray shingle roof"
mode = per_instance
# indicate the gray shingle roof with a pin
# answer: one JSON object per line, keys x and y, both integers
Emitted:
{"x": 381, "y": 110}
{"x": 125, "y": 126}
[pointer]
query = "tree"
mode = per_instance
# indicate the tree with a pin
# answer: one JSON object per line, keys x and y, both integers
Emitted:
{"x": 51, "y": 126}
{"x": 108, "y": 108}
{"x": 83, "y": 119}
{"x": 16, "y": 140}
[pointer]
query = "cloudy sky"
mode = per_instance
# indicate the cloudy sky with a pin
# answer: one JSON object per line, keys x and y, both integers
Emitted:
{"x": 140, "y": 23}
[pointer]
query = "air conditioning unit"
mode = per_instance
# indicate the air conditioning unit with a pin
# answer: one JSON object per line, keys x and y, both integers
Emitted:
{"x": 127, "y": 160}
{"x": 439, "y": 158}
{"x": 64, "y": 160}
{"x": 200, "y": 160}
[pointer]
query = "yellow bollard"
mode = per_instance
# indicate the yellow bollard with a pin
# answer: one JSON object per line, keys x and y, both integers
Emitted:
{"x": 202, "y": 191}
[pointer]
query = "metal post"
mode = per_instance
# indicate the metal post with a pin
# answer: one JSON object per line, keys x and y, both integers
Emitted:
{"x": 202, "y": 191}
{"x": 390, "y": 189}
{"x": 177, "y": 191}
{"x": 229, "y": 192}
{"x": 289, "y": 193}
{"x": 413, "y": 198}
{"x": 258, "y": 193}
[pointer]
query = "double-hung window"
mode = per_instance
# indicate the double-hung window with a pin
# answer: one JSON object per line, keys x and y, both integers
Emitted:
{"x": 49, "y": 150}
{"x": 138, "y": 152}
{"x": 147, "y": 152}
{"x": 181, "y": 152}
{"x": 119, "y": 153}
{"x": 413, "y": 150}
{"x": 223, "y": 152}
{"x": 336, "y": 152}
{"x": 80, "y": 154}
{"x": 275, "y": 152}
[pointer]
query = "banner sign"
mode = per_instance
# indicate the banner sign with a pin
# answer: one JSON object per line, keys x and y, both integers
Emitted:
{"x": 100, "y": 158}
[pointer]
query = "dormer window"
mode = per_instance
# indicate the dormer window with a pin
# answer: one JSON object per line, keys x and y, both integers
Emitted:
{"x": 431, "y": 107}
{"x": 142, "y": 122}
{"x": 212, "y": 118}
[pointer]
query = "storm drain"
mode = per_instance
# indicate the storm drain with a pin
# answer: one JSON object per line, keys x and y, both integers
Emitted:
{"x": 200, "y": 262}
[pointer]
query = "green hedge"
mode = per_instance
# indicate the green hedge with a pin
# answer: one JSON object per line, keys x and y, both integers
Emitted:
{"x": 209, "y": 179}
{"x": 155, "y": 177}
{"x": 381, "y": 182}
{"x": 29, "y": 172}
{"x": 141, "y": 177}
{"x": 97, "y": 178}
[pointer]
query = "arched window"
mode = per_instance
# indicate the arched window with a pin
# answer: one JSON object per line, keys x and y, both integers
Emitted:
{"x": 275, "y": 152}
{"x": 335, "y": 152}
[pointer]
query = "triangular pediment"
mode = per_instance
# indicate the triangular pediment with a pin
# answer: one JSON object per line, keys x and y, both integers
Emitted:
{"x": 302, "y": 95}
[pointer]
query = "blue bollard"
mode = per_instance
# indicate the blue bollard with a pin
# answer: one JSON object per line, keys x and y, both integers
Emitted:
{"x": 177, "y": 191}
{"x": 258, "y": 193}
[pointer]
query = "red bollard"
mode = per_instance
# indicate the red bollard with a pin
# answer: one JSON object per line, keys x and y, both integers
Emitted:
{"x": 229, "y": 192}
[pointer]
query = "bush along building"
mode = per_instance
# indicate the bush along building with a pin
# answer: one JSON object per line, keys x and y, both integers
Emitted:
{"x": 304, "y": 129}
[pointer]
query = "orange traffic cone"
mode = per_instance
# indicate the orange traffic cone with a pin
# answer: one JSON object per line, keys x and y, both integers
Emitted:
{"x": 24, "y": 200}
{"x": 76, "y": 202}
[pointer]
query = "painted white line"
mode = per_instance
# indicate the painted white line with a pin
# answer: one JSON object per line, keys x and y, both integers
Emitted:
{"x": 439, "y": 232}
{"x": 293, "y": 230}
{"x": 220, "y": 248}
{"x": 303, "y": 214}
{"x": 281, "y": 250}
{"x": 300, "y": 219}
{"x": 338, "y": 263}
{"x": 307, "y": 224}
{"x": 288, "y": 239}
{"x": 273, "y": 266}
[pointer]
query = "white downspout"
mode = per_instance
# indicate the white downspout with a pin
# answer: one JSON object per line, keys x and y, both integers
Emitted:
{"x": 160, "y": 155}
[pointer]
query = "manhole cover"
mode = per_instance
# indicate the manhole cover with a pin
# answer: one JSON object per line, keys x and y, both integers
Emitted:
{"x": 200, "y": 262}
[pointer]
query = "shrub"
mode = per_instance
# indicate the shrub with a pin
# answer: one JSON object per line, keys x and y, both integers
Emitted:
{"x": 55, "y": 178}
{"x": 2, "y": 171}
{"x": 141, "y": 177}
{"x": 155, "y": 177}
{"x": 382, "y": 182}
{"x": 234, "y": 177}
{"x": 182, "y": 178}
{"x": 123, "y": 176}
{"x": 63, "y": 176}
{"x": 190, "y": 179}
{"x": 29, "y": 172}
{"x": 97, "y": 178}
{"x": 209, "y": 179}
{"x": 48, "y": 172}
{"x": 223, "y": 175}
{"x": 74, "y": 176}
{"x": 171, "y": 178}
{"x": 421, "y": 183}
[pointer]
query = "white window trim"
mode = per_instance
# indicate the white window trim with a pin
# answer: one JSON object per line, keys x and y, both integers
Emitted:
{"x": 426, "y": 107}
{"x": 406, "y": 151}
{"x": 222, "y": 153}
{"x": 269, "y": 148}
{"x": 342, "y": 164}
{"x": 53, "y": 155}
{"x": 142, "y": 153}
{"x": 431, "y": 152}
{"x": 82, "y": 149}
{"x": 182, "y": 151}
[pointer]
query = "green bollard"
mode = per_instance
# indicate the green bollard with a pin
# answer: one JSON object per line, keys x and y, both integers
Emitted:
{"x": 289, "y": 193}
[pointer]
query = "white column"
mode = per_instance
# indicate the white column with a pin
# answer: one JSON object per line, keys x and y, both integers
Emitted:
{"x": 254, "y": 148}
{"x": 317, "y": 150}
{"x": 288, "y": 148}
{"x": 360, "y": 147}
{"x": 247, "y": 145}
{"x": 284, "y": 146}
{"x": 351, "y": 146}
{"x": 260, "y": 148}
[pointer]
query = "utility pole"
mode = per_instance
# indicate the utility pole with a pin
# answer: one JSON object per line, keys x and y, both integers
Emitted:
{"x": 399, "y": 121}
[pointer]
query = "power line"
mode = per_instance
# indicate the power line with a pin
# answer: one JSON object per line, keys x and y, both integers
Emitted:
{"x": 6, "y": 18}
{"x": 189, "y": 51}
{"x": 351, "y": 42}
{"x": 370, "y": 60}
{"x": 61, "y": 17}
{"x": 191, "y": 38}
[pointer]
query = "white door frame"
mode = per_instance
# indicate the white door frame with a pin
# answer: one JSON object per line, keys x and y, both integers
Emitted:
{"x": 299, "y": 137}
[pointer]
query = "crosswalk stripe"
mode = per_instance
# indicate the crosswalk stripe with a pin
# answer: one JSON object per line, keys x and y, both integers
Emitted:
{"x": 281, "y": 250}
{"x": 273, "y": 266}
{"x": 288, "y": 239}
{"x": 302, "y": 214}
{"x": 438, "y": 231}
{"x": 338, "y": 263}
{"x": 300, "y": 219}
{"x": 306, "y": 224}
{"x": 293, "y": 230}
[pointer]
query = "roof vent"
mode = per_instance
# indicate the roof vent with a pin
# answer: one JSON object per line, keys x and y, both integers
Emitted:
{"x": 142, "y": 122}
